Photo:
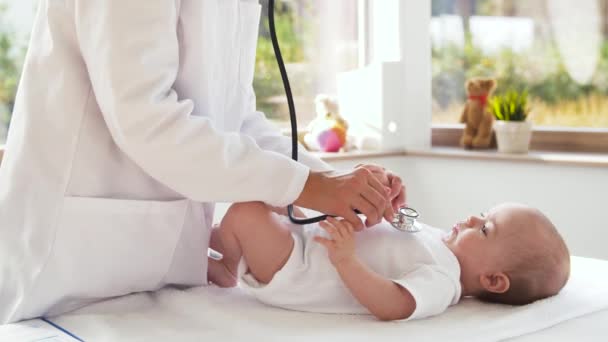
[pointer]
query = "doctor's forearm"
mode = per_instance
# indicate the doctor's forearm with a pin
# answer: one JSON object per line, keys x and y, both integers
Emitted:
{"x": 382, "y": 297}
{"x": 269, "y": 137}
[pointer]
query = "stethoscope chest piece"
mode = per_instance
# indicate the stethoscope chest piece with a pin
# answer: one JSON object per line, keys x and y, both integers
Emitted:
{"x": 405, "y": 220}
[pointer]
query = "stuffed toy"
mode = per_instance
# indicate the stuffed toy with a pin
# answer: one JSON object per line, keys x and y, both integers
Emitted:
{"x": 328, "y": 131}
{"x": 476, "y": 115}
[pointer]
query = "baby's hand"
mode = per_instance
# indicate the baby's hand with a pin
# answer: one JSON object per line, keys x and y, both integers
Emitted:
{"x": 341, "y": 246}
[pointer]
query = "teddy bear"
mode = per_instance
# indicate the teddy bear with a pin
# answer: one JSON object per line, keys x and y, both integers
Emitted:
{"x": 476, "y": 115}
{"x": 328, "y": 131}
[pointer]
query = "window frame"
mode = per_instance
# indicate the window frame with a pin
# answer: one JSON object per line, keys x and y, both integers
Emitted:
{"x": 364, "y": 31}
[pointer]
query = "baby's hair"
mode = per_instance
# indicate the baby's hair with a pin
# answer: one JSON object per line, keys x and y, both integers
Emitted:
{"x": 536, "y": 270}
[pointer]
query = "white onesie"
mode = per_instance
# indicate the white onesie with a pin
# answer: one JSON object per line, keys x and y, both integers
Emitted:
{"x": 420, "y": 262}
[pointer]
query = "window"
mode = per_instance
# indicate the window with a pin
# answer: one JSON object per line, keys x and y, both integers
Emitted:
{"x": 557, "y": 50}
{"x": 318, "y": 39}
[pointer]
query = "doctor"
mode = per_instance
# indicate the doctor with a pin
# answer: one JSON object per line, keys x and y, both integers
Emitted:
{"x": 132, "y": 119}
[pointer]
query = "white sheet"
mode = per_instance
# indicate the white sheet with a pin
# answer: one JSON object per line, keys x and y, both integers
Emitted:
{"x": 203, "y": 314}
{"x": 591, "y": 327}
{"x": 33, "y": 331}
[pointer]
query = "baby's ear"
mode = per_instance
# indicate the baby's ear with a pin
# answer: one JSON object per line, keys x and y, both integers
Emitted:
{"x": 495, "y": 282}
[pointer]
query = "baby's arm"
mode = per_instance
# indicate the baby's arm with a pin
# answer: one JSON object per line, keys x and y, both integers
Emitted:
{"x": 382, "y": 297}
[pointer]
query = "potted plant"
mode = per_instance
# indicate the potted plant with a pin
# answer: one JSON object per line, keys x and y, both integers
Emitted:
{"x": 513, "y": 131}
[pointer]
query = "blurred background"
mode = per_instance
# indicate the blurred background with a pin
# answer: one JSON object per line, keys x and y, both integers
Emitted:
{"x": 556, "y": 49}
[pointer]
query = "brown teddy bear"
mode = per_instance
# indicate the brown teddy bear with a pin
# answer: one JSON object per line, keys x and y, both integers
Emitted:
{"x": 476, "y": 115}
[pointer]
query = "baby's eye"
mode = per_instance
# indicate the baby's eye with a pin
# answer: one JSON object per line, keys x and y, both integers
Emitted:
{"x": 484, "y": 230}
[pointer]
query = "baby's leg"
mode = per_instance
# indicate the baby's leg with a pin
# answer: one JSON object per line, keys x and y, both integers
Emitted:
{"x": 253, "y": 231}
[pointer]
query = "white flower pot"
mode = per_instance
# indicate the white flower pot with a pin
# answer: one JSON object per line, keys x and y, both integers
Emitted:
{"x": 513, "y": 136}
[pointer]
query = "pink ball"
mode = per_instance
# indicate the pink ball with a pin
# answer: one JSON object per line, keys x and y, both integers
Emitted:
{"x": 329, "y": 141}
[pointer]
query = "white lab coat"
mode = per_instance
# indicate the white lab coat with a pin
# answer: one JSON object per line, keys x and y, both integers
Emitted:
{"x": 132, "y": 118}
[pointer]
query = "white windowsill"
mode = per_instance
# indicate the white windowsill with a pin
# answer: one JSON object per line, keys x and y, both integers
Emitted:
{"x": 541, "y": 157}
{"x": 561, "y": 158}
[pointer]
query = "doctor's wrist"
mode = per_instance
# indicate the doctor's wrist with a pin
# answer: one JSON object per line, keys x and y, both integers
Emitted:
{"x": 312, "y": 187}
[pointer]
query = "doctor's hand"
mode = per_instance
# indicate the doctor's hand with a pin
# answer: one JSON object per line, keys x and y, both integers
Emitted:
{"x": 340, "y": 193}
{"x": 387, "y": 178}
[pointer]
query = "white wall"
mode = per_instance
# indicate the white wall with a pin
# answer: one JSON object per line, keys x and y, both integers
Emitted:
{"x": 447, "y": 190}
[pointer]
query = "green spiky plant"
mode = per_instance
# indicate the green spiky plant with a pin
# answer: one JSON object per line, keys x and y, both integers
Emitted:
{"x": 512, "y": 106}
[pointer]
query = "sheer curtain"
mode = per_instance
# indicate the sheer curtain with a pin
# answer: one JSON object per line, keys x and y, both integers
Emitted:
{"x": 336, "y": 41}
{"x": 577, "y": 31}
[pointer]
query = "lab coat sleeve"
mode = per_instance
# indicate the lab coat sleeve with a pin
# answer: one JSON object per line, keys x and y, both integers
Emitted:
{"x": 269, "y": 137}
{"x": 132, "y": 56}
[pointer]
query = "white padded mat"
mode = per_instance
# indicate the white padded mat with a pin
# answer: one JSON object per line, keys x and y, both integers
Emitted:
{"x": 208, "y": 313}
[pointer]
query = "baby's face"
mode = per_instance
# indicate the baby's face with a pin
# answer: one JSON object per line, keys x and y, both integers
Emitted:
{"x": 481, "y": 244}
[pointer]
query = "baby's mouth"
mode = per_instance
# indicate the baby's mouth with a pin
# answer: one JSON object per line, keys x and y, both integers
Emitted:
{"x": 452, "y": 233}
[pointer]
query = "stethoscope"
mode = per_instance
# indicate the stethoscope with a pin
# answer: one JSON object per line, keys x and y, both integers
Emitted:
{"x": 405, "y": 218}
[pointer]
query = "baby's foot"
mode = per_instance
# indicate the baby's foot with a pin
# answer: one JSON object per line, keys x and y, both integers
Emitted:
{"x": 218, "y": 274}
{"x": 223, "y": 272}
{"x": 232, "y": 256}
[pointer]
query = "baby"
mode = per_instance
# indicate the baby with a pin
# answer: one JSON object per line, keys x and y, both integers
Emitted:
{"x": 513, "y": 255}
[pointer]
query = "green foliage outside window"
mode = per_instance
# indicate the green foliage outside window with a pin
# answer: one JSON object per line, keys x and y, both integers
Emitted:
{"x": 555, "y": 98}
{"x": 11, "y": 60}
{"x": 267, "y": 81}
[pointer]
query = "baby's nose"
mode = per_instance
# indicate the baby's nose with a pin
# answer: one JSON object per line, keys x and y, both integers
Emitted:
{"x": 473, "y": 221}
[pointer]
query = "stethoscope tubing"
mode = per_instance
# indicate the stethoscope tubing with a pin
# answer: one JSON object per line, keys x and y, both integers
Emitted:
{"x": 292, "y": 112}
{"x": 293, "y": 120}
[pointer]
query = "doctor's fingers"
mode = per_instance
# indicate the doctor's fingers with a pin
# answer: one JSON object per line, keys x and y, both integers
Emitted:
{"x": 377, "y": 195}
{"x": 379, "y": 201}
{"x": 349, "y": 215}
{"x": 347, "y": 212}
{"x": 366, "y": 208}
{"x": 375, "y": 168}
{"x": 378, "y": 172}
{"x": 396, "y": 185}
{"x": 401, "y": 199}
{"x": 375, "y": 183}
{"x": 389, "y": 213}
